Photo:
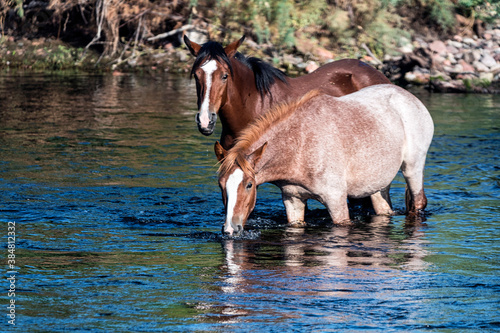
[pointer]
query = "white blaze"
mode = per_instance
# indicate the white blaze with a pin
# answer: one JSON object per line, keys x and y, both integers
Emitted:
{"x": 233, "y": 182}
{"x": 209, "y": 68}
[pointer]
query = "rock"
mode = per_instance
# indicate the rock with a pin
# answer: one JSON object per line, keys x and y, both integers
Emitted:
{"x": 451, "y": 58}
{"x": 311, "y": 66}
{"x": 480, "y": 67}
{"x": 420, "y": 43}
{"x": 437, "y": 59}
{"x": 405, "y": 45}
{"x": 466, "y": 67}
{"x": 477, "y": 54}
{"x": 469, "y": 41}
{"x": 417, "y": 77}
{"x": 449, "y": 86}
{"x": 182, "y": 55}
{"x": 495, "y": 69}
{"x": 251, "y": 43}
{"x": 410, "y": 76}
{"x": 197, "y": 36}
{"x": 449, "y": 70}
{"x": 489, "y": 44}
{"x": 457, "y": 69}
{"x": 472, "y": 56}
{"x": 468, "y": 57}
{"x": 159, "y": 56}
{"x": 438, "y": 75}
{"x": 455, "y": 44}
{"x": 438, "y": 47}
{"x": 406, "y": 49}
{"x": 486, "y": 77}
{"x": 323, "y": 54}
{"x": 301, "y": 66}
{"x": 290, "y": 59}
{"x": 169, "y": 47}
{"x": 488, "y": 60}
{"x": 466, "y": 76}
{"x": 451, "y": 49}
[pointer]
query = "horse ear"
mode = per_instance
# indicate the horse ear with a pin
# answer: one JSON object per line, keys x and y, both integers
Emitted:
{"x": 192, "y": 46}
{"x": 255, "y": 157}
{"x": 233, "y": 47}
{"x": 220, "y": 152}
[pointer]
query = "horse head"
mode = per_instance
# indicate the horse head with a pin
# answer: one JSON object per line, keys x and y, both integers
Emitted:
{"x": 238, "y": 186}
{"x": 212, "y": 71}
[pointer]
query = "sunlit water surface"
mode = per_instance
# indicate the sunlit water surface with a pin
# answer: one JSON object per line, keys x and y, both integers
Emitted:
{"x": 118, "y": 214}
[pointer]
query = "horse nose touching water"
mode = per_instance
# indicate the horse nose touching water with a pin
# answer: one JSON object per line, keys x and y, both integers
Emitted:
{"x": 238, "y": 90}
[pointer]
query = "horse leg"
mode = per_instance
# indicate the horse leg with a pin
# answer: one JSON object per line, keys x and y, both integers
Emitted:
{"x": 337, "y": 207}
{"x": 295, "y": 205}
{"x": 414, "y": 192}
{"x": 382, "y": 202}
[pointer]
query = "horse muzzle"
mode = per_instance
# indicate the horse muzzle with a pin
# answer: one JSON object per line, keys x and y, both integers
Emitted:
{"x": 208, "y": 129}
{"x": 232, "y": 230}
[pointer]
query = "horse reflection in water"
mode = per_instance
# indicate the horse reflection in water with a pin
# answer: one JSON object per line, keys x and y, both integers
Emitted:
{"x": 324, "y": 262}
{"x": 374, "y": 243}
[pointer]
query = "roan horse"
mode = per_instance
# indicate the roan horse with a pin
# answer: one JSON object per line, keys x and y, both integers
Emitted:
{"x": 239, "y": 88}
{"x": 355, "y": 153}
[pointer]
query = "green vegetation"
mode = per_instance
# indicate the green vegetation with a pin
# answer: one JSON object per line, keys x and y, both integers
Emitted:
{"x": 119, "y": 29}
{"x": 341, "y": 23}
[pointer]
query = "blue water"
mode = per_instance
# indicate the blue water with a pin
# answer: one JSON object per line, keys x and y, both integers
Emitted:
{"x": 118, "y": 214}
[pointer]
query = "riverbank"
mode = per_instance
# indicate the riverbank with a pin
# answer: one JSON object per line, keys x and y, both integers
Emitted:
{"x": 458, "y": 64}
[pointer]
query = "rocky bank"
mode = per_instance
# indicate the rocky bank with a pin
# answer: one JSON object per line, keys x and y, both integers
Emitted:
{"x": 459, "y": 64}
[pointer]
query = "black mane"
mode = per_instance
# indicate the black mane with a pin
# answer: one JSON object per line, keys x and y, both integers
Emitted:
{"x": 265, "y": 74}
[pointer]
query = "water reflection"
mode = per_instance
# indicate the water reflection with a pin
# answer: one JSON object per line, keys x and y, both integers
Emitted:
{"x": 108, "y": 130}
{"x": 115, "y": 195}
{"x": 376, "y": 244}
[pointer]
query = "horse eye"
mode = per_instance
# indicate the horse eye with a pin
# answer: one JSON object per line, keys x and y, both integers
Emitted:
{"x": 249, "y": 185}
{"x": 225, "y": 76}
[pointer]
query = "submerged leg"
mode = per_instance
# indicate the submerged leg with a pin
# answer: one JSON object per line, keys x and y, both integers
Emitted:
{"x": 295, "y": 205}
{"x": 415, "y": 201}
{"x": 337, "y": 207}
{"x": 382, "y": 202}
{"x": 414, "y": 193}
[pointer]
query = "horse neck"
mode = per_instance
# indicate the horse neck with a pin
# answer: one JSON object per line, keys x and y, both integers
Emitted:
{"x": 275, "y": 163}
{"x": 244, "y": 102}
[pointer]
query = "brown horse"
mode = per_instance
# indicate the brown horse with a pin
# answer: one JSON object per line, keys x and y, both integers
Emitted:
{"x": 357, "y": 153}
{"x": 239, "y": 88}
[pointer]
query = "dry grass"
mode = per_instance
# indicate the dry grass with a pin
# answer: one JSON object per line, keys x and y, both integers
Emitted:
{"x": 143, "y": 18}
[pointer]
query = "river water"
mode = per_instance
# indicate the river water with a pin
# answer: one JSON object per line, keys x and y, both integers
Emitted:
{"x": 117, "y": 214}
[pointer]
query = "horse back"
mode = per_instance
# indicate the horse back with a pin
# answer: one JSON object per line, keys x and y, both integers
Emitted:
{"x": 341, "y": 77}
{"x": 363, "y": 137}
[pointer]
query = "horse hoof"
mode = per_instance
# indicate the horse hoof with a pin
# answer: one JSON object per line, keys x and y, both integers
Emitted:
{"x": 297, "y": 224}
